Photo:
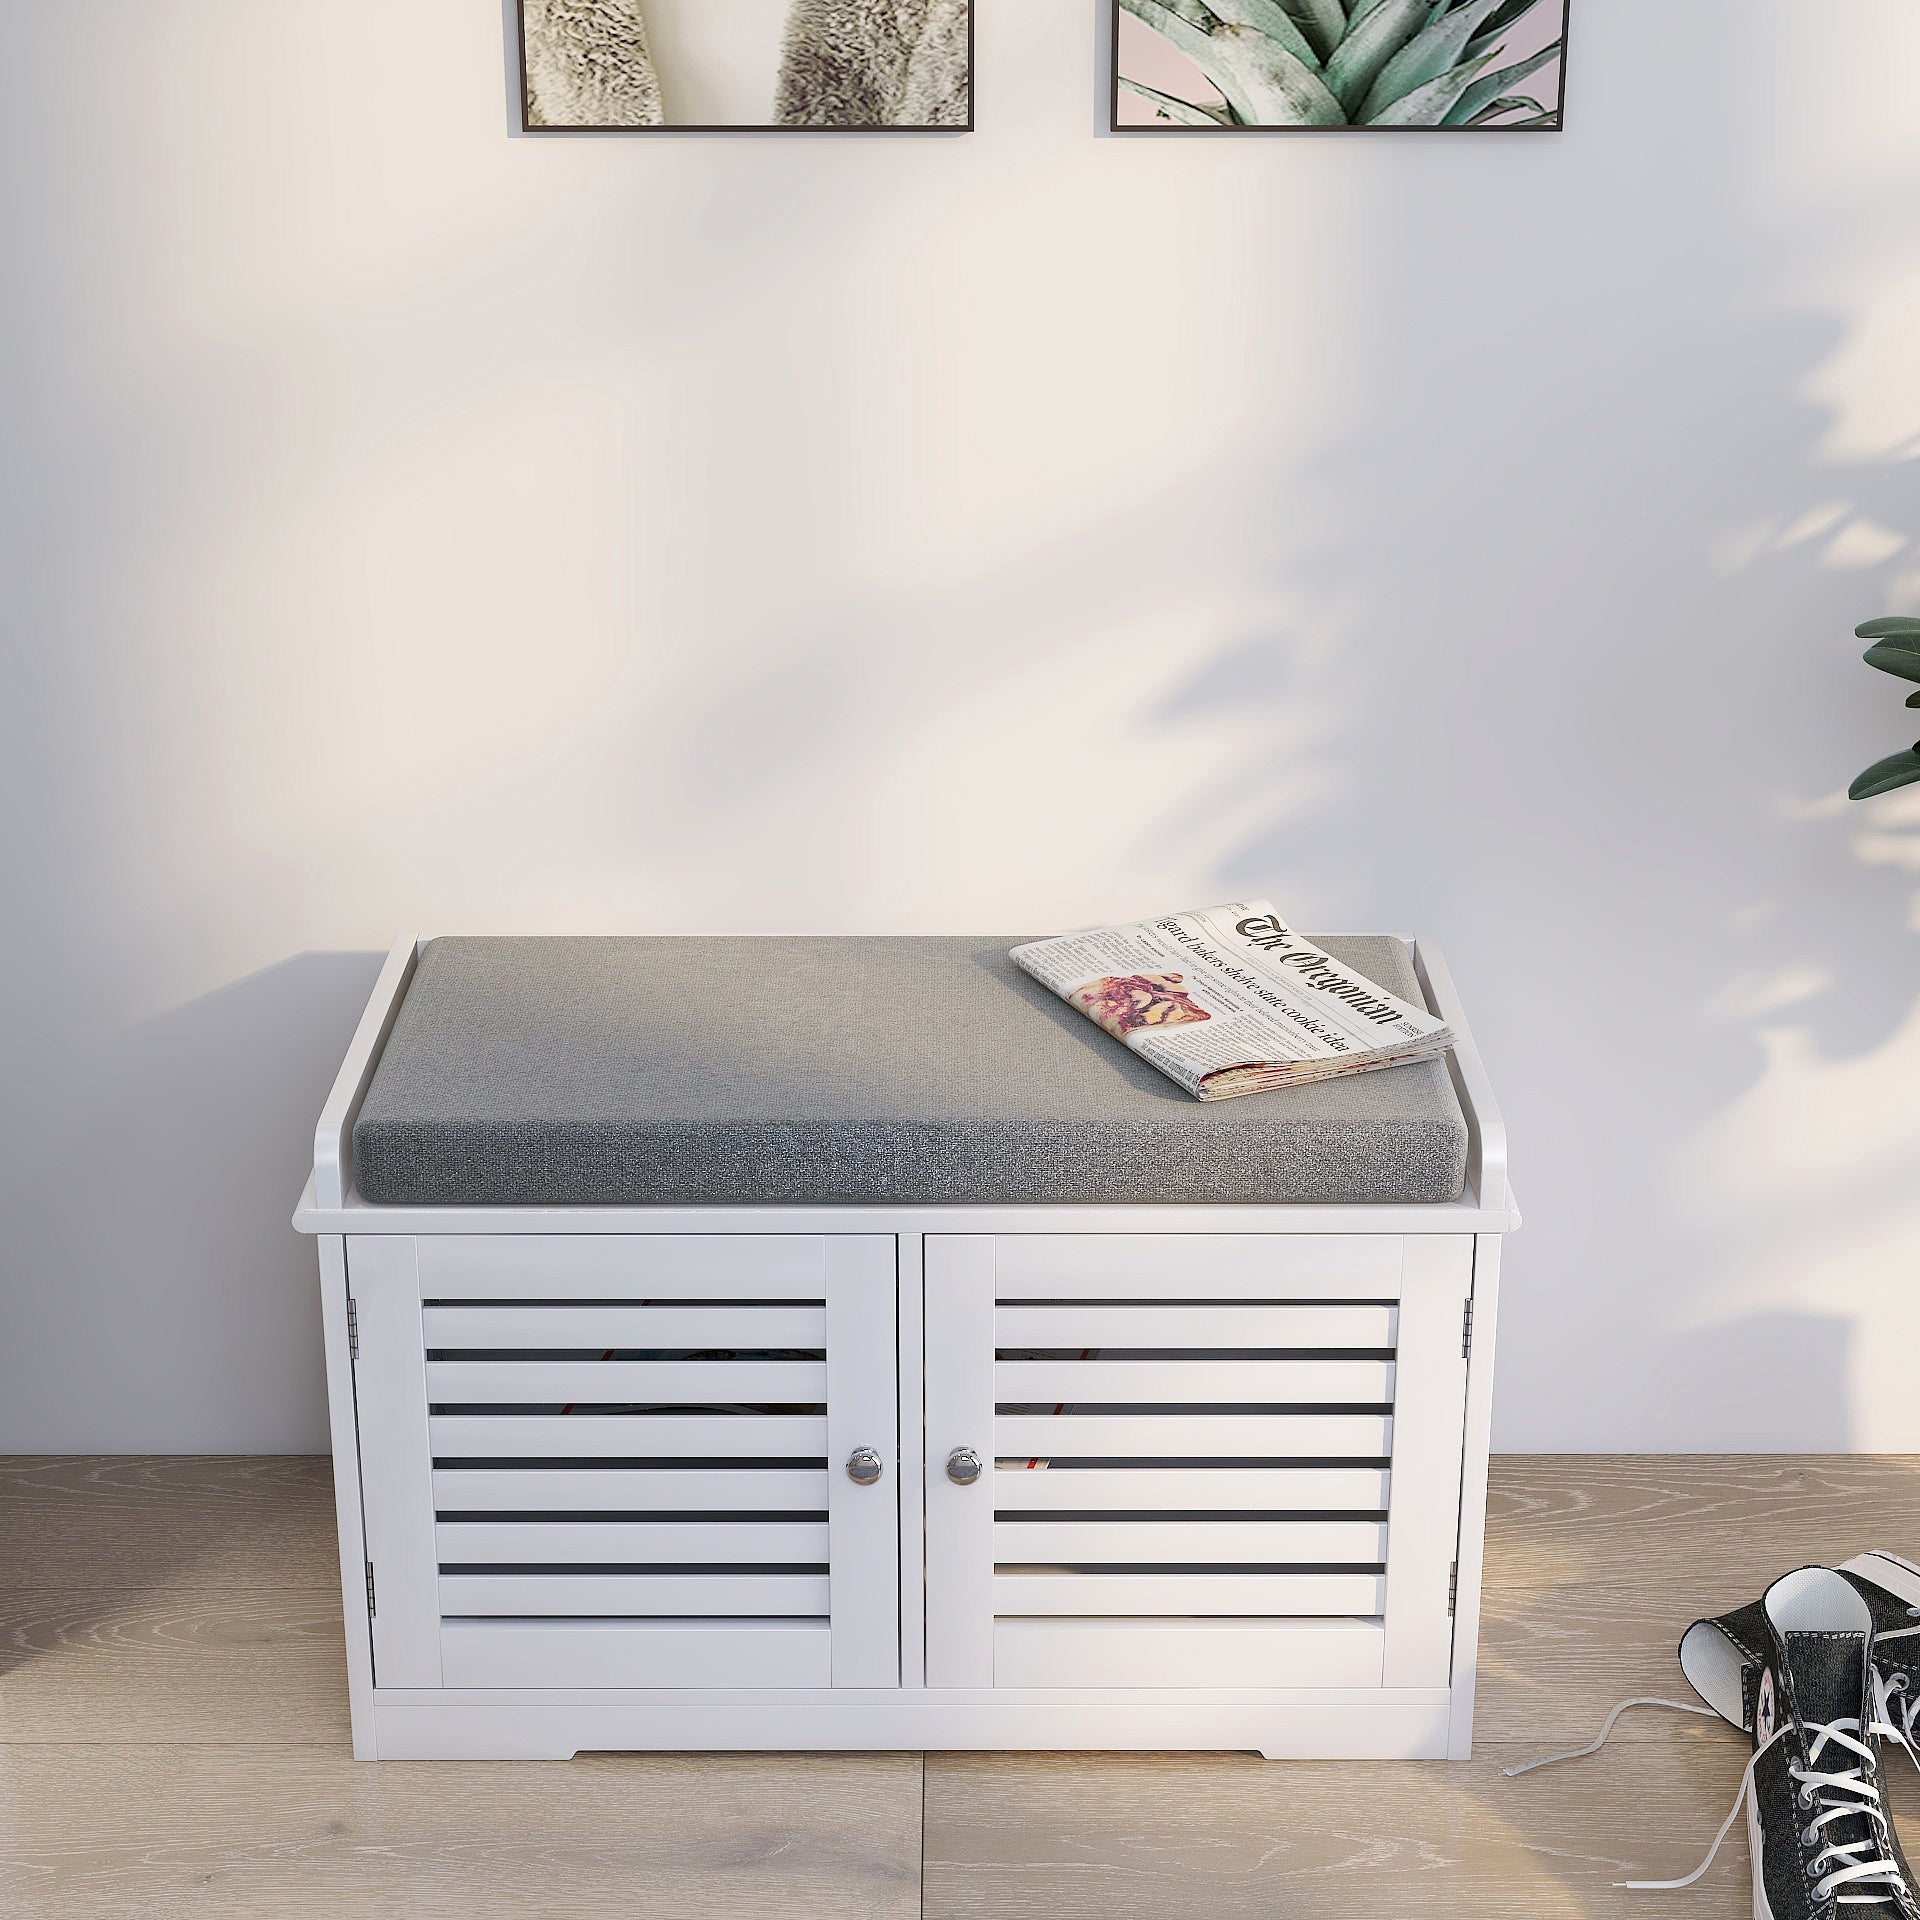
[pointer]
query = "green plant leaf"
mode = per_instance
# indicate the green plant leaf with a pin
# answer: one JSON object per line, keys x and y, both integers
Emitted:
{"x": 1265, "y": 85}
{"x": 1323, "y": 21}
{"x": 1182, "y": 110}
{"x": 1511, "y": 14}
{"x": 1271, "y": 19}
{"x": 1894, "y": 624}
{"x": 1490, "y": 85}
{"x": 1488, "y": 115}
{"x": 1902, "y": 662}
{"x": 1900, "y": 769}
{"x": 1285, "y": 91}
{"x": 1427, "y": 106}
{"x": 1196, "y": 13}
{"x": 1181, "y": 30}
{"x": 1433, "y": 53}
{"x": 1373, "y": 38}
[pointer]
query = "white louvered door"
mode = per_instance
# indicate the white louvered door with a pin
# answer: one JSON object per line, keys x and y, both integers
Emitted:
{"x": 600, "y": 1461}
{"x": 1207, "y": 1460}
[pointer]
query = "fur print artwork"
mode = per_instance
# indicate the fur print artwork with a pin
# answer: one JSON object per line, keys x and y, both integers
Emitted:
{"x": 586, "y": 64}
{"x": 845, "y": 63}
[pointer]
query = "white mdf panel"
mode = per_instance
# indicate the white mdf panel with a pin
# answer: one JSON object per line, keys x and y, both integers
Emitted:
{"x": 1473, "y": 1492}
{"x": 1197, "y": 1266}
{"x": 1187, "y": 1593}
{"x": 1423, "y": 1513}
{"x": 343, "y": 1421}
{"x": 1184, "y": 1542}
{"x": 612, "y": 1595}
{"x": 610, "y": 1382}
{"x": 552, "y": 1725}
{"x": 629, "y": 1542}
{"x": 473, "y": 1490}
{"x": 708, "y": 1574}
{"x": 333, "y": 1137}
{"x": 959, "y": 1391}
{"x": 1353, "y": 1328}
{"x": 1143, "y": 1489}
{"x": 910, "y": 1302}
{"x": 586, "y": 1328}
{"x": 862, "y": 1412}
{"x": 638, "y": 1653}
{"x": 1187, "y": 1653}
{"x": 1212, "y": 1436}
{"x": 390, "y": 1386}
{"x": 629, "y": 1436}
{"x": 1178, "y": 1382}
{"x": 692, "y": 1266}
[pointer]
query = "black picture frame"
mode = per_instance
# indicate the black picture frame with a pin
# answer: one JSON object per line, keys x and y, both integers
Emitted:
{"x": 1115, "y": 125}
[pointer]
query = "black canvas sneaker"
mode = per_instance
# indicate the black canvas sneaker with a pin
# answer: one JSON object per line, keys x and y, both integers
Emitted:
{"x": 1723, "y": 1657}
{"x": 1817, "y": 1822}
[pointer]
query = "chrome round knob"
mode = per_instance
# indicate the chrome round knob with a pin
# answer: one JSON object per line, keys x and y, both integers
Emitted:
{"x": 863, "y": 1466}
{"x": 963, "y": 1466}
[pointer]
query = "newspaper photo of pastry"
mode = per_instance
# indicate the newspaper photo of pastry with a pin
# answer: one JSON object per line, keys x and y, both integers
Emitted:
{"x": 1123, "y": 1003}
{"x": 1254, "y": 1007}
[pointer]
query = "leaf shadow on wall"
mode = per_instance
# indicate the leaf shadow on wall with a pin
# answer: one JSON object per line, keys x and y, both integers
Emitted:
{"x": 1572, "y": 729}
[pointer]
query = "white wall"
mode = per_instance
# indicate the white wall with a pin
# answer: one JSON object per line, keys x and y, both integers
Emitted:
{"x": 407, "y": 523}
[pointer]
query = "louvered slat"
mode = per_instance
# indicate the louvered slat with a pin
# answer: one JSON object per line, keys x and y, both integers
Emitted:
{"x": 584, "y": 1328}
{"x": 607, "y": 1382}
{"x": 626, "y": 1436}
{"x": 1139, "y": 1489}
{"x": 629, "y": 1542}
{"x": 1354, "y": 1328}
{"x": 598, "y": 1654}
{"x": 611, "y": 1595}
{"x": 1154, "y": 1436}
{"x": 1163, "y": 1650}
{"x": 629, "y": 1489}
{"x": 1270, "y": 1268}
{"x": 1188, "y": 1594}
{"x": 1197, "y": 1382}
{"x": 1359, "y": 1543}
{"x": 624, "y": 1267}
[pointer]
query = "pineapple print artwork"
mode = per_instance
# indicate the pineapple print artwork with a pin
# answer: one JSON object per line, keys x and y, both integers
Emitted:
{"x": 1458, "y": 65}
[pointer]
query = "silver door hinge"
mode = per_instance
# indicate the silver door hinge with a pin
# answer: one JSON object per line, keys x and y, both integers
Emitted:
{"x": 370, "y": 1605}
{"x": 1466, "y": 1330}
{"x": 353, "y": 1329}
{"x": 1453, "y": 1587}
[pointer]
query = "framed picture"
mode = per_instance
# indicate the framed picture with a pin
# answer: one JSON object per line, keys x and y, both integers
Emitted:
{"x": 704, "y": 66}
{"x": 1236, "y": 66}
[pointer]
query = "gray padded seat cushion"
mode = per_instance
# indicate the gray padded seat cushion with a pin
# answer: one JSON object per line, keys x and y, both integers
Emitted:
{"x": 644, "y": 1071}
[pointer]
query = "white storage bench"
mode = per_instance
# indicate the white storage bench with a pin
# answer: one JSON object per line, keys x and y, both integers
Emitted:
{"x": 842, "y": 1344}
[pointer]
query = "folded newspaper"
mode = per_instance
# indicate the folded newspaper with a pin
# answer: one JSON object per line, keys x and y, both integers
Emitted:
{"x": 1231, "y": 1000}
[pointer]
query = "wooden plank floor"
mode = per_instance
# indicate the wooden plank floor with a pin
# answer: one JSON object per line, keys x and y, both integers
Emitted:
{"x": 173, "y": 1740}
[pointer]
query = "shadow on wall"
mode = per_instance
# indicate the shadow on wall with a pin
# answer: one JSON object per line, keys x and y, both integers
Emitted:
{"x": 1756, "y": 1371}
{"x": 94, "y": 1359}
{"x": 1575, "y": 640}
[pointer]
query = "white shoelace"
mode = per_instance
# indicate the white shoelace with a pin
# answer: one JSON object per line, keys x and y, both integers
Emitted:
{"x": 1600, "y": 1739}
{"x": 1849, "y": 1868}
{"x": 1887, "y": 1703}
